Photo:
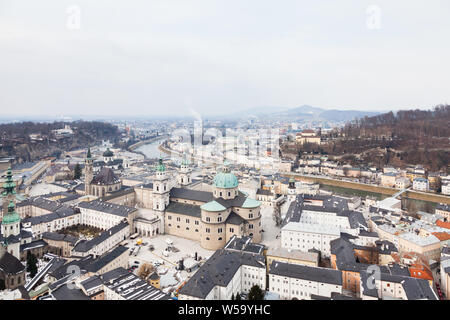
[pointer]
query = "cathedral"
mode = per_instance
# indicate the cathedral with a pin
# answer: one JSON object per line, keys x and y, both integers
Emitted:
{"x": 211, "y": 218}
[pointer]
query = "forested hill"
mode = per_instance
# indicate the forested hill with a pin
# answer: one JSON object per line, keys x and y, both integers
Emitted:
{"x": 405, "y": 138}
{"x": 412, "y": 126}
{"x": 409, "y": 137}
{"x": 29, "y": 141}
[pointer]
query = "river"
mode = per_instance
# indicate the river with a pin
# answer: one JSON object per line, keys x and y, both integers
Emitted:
{"x": 151, "y": 150}
{"x": 407, "y": 204}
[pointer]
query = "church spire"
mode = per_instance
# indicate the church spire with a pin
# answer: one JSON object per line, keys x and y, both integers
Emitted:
{"x": 9, "y": 185}
{"x": 160, "y": 167}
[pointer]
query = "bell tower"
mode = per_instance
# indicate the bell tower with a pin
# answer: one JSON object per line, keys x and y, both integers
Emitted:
{"x": 160, "y": 188}
{"x": 184, "y": 178}
{"x": 88, "y": 172}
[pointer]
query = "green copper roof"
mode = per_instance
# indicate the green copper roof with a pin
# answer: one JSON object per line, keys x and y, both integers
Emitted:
{"x": 185, "y": 161}
{"x": 225, "y": 179}
{"x": 9, "y": 185}
{"x": 108, "y": 153}
{"x": 212, "y": 206}
{"x": 160, "y": 167}
{"x": 89, "y": 156}
{"x": 11, "y": 216}
{"x": 251, "y": 203}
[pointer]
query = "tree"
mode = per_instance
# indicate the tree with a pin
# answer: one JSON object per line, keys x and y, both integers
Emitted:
{"x": 238, "y": 296}
{"x": 145, "y": 270}
{"x": 2, "y": 284}
{"x": 232, "y": 296}
{"x": 255, "y": 293}
{"x": 32, "y": 264}
{"x": 77, "y": 172}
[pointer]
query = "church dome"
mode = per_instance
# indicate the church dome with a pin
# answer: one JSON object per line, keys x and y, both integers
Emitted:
{"x": 225, "y": 179}
{"x": 11, "y": 216}
{"x": 108, "y": 153}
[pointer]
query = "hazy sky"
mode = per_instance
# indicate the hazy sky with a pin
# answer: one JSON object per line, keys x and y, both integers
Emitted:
{"x": 155, "y": 57}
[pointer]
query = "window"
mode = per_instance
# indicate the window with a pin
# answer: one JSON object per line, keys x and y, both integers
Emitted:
{"x": 207, "y": 230}
{"x": 208, "y": 219}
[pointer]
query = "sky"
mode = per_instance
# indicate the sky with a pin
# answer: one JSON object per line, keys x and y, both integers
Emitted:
{"x": 175, "y": 57}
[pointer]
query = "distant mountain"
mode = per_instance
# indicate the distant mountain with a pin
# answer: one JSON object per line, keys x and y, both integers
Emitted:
{"x": 257, "y": 111}
{"x": 307, "y": 112}
{"x": 304, "y": 112}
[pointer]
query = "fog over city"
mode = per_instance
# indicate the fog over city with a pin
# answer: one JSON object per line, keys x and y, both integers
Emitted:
{"x": 156, "y": 58}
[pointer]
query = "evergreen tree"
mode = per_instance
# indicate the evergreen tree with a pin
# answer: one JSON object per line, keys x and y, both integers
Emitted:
{"x": 255, "y": 293}
{"x": 238, "y": 296}
{"x": 2, "y": 284}
{"x": 77, "y": 172}
{"x": 232, "y": 296}
{"x": 32, "y": 264}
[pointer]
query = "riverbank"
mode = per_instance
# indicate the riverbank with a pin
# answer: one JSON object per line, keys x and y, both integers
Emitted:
{"x": 144, "y": 142}
{"x": 410, "y": 194}
{"x": 178, "y": 154}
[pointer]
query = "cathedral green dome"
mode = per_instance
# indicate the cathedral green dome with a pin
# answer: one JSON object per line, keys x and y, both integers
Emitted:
{"x": 225, "y": 180}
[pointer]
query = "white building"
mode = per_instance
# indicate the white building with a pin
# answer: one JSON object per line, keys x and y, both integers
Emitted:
{"x": 402, "y": 183}
{"x": 445, "y": 189}
{"x": 105, "y": 215}
{"x": 292, "y": 281}
{"x": 304, "y": 236}
{"x": 421, "y": 184}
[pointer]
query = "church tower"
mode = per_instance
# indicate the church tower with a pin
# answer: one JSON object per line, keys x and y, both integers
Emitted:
{"x": 160, "y": 188}
{"x": 11, "y": 221}
{"x": 9, "y": 193}
{"x": 88, "y": 172}
{"x": 184, "y": 177}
